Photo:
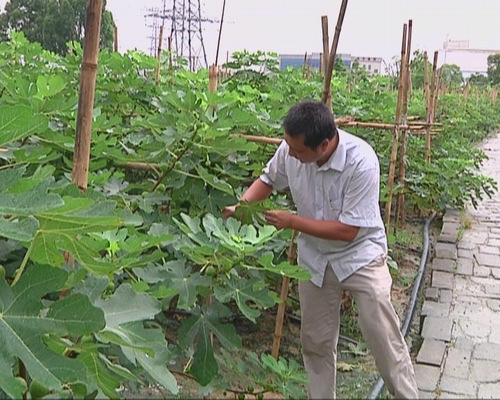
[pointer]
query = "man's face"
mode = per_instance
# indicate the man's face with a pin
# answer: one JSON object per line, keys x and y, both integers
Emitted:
{"x": 298, "y": 150}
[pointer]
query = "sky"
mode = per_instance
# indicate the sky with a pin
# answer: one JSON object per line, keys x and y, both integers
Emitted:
{"x": 371, "y": 28}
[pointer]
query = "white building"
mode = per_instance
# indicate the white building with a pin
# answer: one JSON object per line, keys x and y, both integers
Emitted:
{"x": 470, "y": 60}
{"x": 372, "y": 64}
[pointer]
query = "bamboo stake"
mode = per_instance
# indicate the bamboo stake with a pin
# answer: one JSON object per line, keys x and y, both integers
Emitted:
{"x": 170, "y": 60}
{"x": 304, "y": 66}
{"x": 220, "y": 32}
{"x": 158, "y": 56}
{"x": 212, "y": 88}
{"x": 433, "y": 87}
{"x": 115, "y": 39}
{"x": 81, "y": 157}
{"x": 395, "y": 139}
{"x": 333, "y": 53}
{"x": 326, "y": 52}
{"x": 436, "y": 94}
{"x": 212, "y": 78}
{"x": 280, "y": 316}
{"x": 400, "y": 204}
{"x": 327, "y": 100}
{"x": 426, "y": 96}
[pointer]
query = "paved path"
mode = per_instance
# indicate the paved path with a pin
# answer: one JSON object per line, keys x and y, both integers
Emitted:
{"x": 460, "y": 354}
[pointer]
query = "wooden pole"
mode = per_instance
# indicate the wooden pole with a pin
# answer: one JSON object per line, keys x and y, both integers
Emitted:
{"x": 395, "y": 139}
{"x": 333, "y": 53}
{"x": 280, "y": 316}
{"x": 81, "y": 157}
{"x": 170, "y": 58}
{"x": 212, "y": 78}
{"x": 433, "y": 86}
{"x": 326, "y": 43}
{"x": 158, "y": 55}
{"x": 426, "y": 97}
{"x": 426, "y": 78}
{"x": 404, "y": 139}
{"x": 436, "y": 93}
{"x": 220, "y": 32}
{"x": 327, "y": 100}
{"x": 115, "y": 39}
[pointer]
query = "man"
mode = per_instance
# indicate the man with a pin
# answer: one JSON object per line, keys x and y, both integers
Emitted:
{"x": 334, "y": 178}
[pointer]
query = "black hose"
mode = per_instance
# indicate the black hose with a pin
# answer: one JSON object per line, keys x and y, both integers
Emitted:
{"x": 410, "y": 309}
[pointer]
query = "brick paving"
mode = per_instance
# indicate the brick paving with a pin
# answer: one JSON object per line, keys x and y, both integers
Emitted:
{"x": 460, "y": 353}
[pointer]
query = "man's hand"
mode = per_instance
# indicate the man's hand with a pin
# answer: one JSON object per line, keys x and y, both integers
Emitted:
{"x": 228, "y": 211}
{"x": 279, "y": 218}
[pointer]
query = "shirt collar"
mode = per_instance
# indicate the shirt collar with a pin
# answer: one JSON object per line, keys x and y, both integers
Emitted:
{"x": 338, "y": 158}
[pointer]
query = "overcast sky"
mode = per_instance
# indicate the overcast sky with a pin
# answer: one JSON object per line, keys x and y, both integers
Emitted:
{"x": 370, "y": 28}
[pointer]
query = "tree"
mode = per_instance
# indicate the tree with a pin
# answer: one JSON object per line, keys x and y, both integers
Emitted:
{"x": 494, "y": 69}
{"x": 52, "y": 23}
{"x": 478, "y": 80}
{"x": 417, "y": 67}
{"x": 452, "y": 77}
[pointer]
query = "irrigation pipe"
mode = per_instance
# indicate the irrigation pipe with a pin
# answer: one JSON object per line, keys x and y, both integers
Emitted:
{"x": 410, "y": 310}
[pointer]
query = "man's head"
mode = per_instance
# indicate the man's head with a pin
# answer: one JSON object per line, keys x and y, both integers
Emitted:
{"x": 310, "y": 131}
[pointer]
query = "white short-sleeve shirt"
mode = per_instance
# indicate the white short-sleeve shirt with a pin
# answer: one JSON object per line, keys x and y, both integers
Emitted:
{"x": 345, "y": 188}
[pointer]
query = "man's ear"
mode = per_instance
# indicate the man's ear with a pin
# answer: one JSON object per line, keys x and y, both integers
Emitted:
{"x": 324, "y": 144}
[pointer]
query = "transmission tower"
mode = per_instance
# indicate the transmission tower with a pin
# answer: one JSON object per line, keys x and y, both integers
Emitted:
{"x": 186, "y": 33}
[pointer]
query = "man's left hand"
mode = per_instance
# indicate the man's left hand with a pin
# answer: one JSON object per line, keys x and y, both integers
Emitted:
{"x": 279, "y": 218}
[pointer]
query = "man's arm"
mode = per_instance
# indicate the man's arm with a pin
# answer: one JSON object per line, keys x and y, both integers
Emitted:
{"x": 258, "y": 190}
{"x": 329, "y": 229}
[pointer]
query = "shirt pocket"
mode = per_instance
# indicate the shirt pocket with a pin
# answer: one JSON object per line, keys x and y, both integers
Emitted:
{"x": 334, "y": 206}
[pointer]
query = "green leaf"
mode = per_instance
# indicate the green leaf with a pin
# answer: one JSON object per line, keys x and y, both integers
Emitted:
{"x": 197, "y": 330}
{"x": 49, "y": 85}
{"x": 100, "y": 374}
{"x": 245, "y": 239}
{"x": 33, "y": 201}
{"x": 156, "y": 364}
{"x": 14, "y": 387}
{"x": 18, "y": 122}
{"x": 243, "y": 291}
{"x": 284, "y": 268}
{"x": 228, "y": 145}
{"x": 186, "y": 282}
{"x": 66, "y": 228}
{"x": 204, "y": 366}
{"x": 23, "y": 230}
{"x": 125, "y": 306}
{"x": 125, "y": 312}
{"x": 213, "y": 181}
{"x": 24, "y": 321}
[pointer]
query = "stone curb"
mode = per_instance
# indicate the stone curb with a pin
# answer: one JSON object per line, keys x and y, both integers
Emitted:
{"x": 436, "y": 325}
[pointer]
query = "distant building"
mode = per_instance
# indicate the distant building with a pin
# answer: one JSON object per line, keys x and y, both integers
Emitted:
{"x": 471, "y": 61}
{"x": 313, "y": 60}
{"x": 373, "y": 65}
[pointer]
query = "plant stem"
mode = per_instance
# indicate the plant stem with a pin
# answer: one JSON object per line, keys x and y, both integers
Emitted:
{"x": 22, "y": 267}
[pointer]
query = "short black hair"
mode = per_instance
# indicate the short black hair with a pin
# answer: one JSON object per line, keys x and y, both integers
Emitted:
{"x": 311, "y": 119}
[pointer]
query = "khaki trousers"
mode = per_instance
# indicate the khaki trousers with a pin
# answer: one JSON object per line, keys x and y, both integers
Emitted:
{"x": 320, "y": 315}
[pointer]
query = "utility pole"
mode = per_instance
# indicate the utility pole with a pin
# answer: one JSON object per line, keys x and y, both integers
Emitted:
{"x": 186, "y": 33}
